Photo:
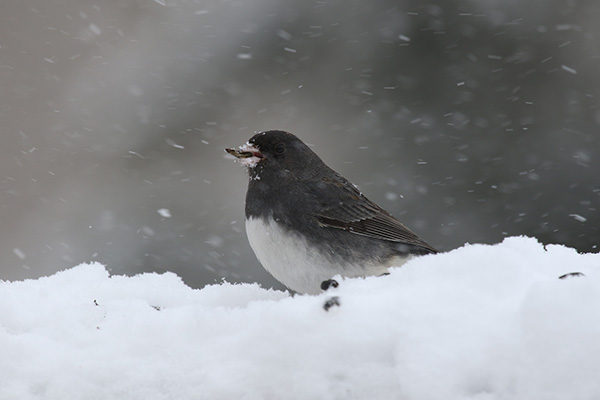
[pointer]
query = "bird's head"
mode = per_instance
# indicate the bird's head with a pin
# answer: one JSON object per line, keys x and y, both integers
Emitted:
{"x": 275, "y": 151}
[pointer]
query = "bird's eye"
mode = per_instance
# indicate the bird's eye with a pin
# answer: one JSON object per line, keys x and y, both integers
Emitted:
{"x": 279, "y": 148}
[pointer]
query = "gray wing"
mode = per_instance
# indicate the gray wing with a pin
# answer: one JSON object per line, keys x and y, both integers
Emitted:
{"x": 346, "y": 208}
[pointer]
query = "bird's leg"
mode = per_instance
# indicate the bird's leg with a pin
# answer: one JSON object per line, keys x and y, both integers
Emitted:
{"x": 334, "y": 300}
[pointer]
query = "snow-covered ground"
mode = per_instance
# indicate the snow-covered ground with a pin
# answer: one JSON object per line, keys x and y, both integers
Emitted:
{"x": 479, "y": 322}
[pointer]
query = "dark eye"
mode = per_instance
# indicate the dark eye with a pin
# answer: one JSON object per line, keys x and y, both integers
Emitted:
{"x": 279, "y": 148}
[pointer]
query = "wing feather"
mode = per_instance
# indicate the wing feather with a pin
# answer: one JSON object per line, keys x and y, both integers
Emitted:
{"x": 349, "y": 210}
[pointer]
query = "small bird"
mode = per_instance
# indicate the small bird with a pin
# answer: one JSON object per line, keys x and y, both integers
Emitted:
{"x": 307, "y": 224}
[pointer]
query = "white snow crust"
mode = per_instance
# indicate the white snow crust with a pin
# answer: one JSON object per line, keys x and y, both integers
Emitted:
{"x": 480, "y": 322}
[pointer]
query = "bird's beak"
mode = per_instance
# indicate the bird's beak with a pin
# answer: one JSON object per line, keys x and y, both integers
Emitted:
{"x": 248, "y": 155}
{"x": 238, "y": 153}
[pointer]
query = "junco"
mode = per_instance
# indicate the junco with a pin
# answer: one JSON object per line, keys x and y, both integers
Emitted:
{"x": 306, "y": 223}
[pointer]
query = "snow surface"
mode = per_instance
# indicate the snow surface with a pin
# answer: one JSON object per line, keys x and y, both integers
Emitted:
{"x": 479, "y": 322}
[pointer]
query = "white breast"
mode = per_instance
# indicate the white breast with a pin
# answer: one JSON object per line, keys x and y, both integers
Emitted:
{"x": 291, "y": 260}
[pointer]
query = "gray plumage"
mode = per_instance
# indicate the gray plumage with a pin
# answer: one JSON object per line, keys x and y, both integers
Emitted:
{"x": 292, "y": 189}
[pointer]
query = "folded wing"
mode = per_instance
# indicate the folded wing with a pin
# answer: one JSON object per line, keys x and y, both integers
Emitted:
{"x": 349, "y": 210}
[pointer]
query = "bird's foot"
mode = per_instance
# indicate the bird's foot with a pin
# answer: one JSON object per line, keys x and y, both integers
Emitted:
{"x": 328, "y": 284}
{"x": 332, "y": 301}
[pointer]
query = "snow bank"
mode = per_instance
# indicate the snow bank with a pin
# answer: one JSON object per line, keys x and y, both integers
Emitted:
{"x": 479, "y": 322}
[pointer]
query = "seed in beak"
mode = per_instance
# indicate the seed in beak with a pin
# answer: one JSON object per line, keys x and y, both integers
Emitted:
{"x": 239, "y": 154}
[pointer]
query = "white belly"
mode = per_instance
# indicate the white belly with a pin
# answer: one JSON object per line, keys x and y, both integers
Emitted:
{"x": 299, "y": 267}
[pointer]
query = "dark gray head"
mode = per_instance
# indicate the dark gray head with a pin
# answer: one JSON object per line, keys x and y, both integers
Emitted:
{"x": 279, "y": 153}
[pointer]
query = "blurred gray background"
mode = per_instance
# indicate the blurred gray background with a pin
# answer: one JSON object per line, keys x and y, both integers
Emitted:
{"x": 469, "y": 120}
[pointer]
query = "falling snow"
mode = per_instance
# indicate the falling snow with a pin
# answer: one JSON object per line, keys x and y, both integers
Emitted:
{"x": 164, "y": 212}
{"x": 578, "y": 217}
{"x": 19, "y": 253}
{"x": 569, "y": 69}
